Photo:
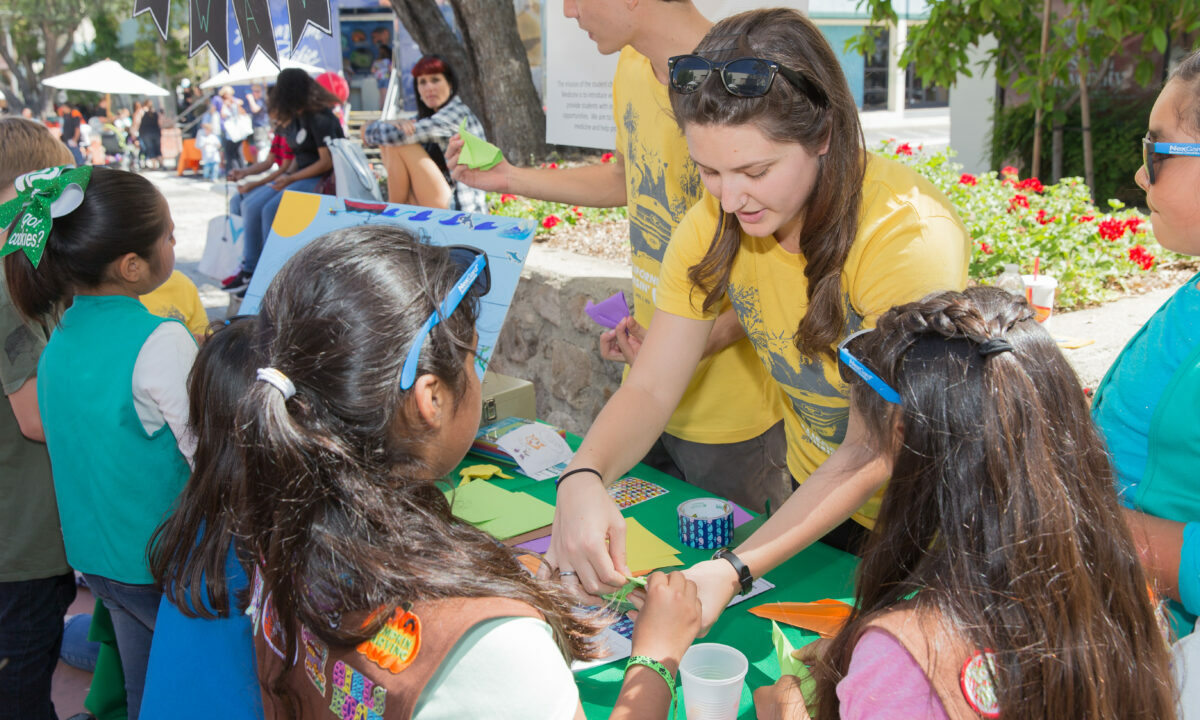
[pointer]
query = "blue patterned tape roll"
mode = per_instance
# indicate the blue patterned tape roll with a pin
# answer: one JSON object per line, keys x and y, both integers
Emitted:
{"x": 706, "y": 523}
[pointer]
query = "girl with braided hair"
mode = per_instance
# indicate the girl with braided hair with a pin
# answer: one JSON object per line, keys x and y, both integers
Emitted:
{"x": 1000, "y": 580}
{"x": 811, "y": 238}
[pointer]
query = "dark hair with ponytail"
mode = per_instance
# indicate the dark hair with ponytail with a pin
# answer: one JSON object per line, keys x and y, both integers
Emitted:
{"x": 192, "y": 573}
{"x": 121, "y": 213}
{"x": 788, "y": 115}
{"x": 339, "y": 508}
{"x": 1188, "y": 72}
{"x": 1001, "y": 515}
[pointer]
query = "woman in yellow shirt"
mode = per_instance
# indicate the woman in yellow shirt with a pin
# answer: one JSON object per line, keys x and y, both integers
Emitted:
{"x": 811, "y": 238}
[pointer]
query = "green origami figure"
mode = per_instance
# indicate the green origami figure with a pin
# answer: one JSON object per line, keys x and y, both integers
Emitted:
{"x": 477, "y": 153}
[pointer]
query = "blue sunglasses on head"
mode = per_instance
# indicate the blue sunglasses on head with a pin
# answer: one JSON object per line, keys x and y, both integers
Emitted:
{"x": 848, "y": 364}
{"x": 474, "y": 276}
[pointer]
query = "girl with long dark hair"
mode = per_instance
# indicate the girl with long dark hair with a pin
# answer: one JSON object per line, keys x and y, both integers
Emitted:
{"x": 1000, "y": 580}
{"x": 368, "y": 596}
{"x": 811, "y": 237}
{"x": 414, "y": 150}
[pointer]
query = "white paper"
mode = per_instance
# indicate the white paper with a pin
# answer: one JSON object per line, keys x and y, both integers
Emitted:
{"x": 539, "y": 451}
{"x": 759, "y": 587}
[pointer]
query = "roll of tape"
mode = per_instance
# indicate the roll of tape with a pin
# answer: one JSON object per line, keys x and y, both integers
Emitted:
{"x": 706, "y": 523}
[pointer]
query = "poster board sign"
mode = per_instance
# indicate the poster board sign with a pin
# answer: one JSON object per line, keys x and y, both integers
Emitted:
{"x": 303, "y": 217}
{"x": 579, "y": 78}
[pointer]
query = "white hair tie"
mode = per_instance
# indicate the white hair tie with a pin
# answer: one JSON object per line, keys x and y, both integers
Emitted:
{"x": 278, "y": 380}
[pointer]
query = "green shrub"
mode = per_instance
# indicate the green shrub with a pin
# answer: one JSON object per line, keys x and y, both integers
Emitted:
{"x": 1118, "y": 125}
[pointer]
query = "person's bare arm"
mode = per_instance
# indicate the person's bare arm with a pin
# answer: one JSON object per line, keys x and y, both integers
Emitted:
{"x": 1159, "y": 543}
{"x": 726, "y": 331}
{"x": 600, "y": 185}
{"x": 25, "y": 407}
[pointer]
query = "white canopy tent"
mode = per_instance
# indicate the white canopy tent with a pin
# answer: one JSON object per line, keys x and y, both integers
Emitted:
{"x": 261, "y": 69}
{"x": 106, "y": 76}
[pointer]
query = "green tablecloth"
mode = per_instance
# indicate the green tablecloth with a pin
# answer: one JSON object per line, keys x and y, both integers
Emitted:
{"x": 818, "y": 572}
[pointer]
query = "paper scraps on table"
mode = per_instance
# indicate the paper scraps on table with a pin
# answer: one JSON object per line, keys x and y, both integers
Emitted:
{"x": 477, "y": 153}
{"x": 790, "y": 665}
{"x": 645, "y": 551}
{"x": 539, "y": 451}
{"x": 498, "y": 512}
{"x": 480, "y": 472}
{"x": 630, "y": 491}
{"x": 608, "y": 312}
{"x": 614, "y": 643}
{"x": 824, "y": 617}
{"x": 759, "y": 587}
{"x": 1072, "y": 343}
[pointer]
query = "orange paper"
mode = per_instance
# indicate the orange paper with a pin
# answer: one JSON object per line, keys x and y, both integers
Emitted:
{"x": 824, "y": 617}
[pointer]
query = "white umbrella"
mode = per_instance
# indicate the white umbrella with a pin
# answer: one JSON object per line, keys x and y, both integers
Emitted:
{"x": 106, "y": 76}
{"x": 262, "y": 67}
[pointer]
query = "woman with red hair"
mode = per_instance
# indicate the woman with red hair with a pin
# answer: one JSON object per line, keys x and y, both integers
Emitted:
{"x": 414, "y": 150}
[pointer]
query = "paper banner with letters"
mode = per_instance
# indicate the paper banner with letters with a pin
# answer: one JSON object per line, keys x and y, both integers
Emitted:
{"x": 303, "y": 217}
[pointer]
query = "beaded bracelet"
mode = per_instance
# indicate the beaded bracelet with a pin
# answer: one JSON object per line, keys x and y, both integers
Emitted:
{"x": 568, "y": 474}
{"x": 659, "y": 668}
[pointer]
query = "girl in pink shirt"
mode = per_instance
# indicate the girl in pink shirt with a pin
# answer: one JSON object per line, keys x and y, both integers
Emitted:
{"x": 1000, "y": 579}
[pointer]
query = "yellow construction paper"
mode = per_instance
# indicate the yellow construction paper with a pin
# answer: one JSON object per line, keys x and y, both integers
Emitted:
{"x": 477, "y": 153}
{"x": 646, "y": 551}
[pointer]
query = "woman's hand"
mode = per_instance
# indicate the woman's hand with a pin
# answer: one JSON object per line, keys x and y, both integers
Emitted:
{"x": 493, "y": 180}
{"x": 717, "y": 583}
{"x": 588, "y": 537}
{"x": 624, "y": 342}
{"x": 781, "y": 701}
{"x": 235, "y": 174}
{"x": 282, "y": 182}
{"x": 668, "y": 618}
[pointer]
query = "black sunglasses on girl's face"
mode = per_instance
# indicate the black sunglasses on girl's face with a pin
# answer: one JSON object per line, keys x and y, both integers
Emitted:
{"x": 745, "y": 77}
{"x": 1155, "y": 153}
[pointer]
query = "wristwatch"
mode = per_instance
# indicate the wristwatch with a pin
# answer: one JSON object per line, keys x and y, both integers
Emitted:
{"x": 745, "y": 579}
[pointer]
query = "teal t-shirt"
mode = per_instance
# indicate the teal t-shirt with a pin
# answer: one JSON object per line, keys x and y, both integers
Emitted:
{"x": 115, "y": 483}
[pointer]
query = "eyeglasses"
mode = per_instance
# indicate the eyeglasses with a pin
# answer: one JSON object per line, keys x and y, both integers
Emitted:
{"x": 743, "y": 77}
{"x": 475, "y": 276}
{"x": 1154, "y": 153}
{"x": 849, "y": 364}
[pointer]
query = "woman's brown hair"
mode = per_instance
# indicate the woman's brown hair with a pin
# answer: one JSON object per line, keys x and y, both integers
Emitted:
{"x": 1000, "y": 519}
{"x": 786, "y": 114}
{"x": 339, "y": 508}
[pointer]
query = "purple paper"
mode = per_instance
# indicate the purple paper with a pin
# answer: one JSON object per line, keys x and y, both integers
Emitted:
{"x": 608, "y": 312}
{"x": 538, "y": 545}
{"x": 740, "y": 516}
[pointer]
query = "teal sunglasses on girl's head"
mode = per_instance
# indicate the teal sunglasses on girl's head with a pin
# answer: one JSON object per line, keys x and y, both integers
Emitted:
{"x": 475, "y": 275}
{"x": 849, "y": 365}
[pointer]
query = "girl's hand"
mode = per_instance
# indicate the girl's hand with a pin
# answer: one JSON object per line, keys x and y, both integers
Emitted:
{"x": 624, "y": 342}
{"x": 588, "y": 537}
{"x": 717, "y": 583}
{"x": 668, "y": 618}
{"x": 494, "y": 180}
{"x": 282, "y": 182}
{"x": 781, "y": 701}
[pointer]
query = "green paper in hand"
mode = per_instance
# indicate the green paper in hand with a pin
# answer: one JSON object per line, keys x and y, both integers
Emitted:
{"x": 617, "y": 601}
{"x": 789, "y": 665}
{"x": 477, "y": 153}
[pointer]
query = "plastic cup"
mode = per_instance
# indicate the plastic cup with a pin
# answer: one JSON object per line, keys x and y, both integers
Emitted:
{"x": 712, "y": 676}
{"x": 1039, "y": 291}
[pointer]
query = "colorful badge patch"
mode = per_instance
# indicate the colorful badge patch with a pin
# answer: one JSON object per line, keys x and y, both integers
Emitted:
{"x": 396, "y": 645}
{"x": 269, "y": 625}
{"x": 315, "y": 655}
{"x": 977, "y": 686}
{"x": 356, "y": 696}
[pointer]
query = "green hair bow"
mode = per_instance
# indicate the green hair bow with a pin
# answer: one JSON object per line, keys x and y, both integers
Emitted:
{"x": 42, "y": 195}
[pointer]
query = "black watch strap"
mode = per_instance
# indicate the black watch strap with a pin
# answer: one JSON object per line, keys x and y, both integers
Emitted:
{"x": 745, "y": 579}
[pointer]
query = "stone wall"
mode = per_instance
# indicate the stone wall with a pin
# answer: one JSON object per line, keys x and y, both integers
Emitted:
{"x": 549, "y": 340}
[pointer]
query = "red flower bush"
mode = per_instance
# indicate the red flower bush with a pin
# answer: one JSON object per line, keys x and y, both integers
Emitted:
{"x": 551, "y": 221}
{"x": 1009, "y": 171}
{"x": 578, "y": 213}
{"x": 1030, "y": 184}
{"x": 1084, "y": 219}
{"x": 1017, "y": 201}
{"x": 904, "y": 149}
{"x": 1140, "y": 255}
{"x": 968, "y": 179}
{"x": 985, "y": 248}
{"x": 1045, "y": 219}
{"x": 1134, "y": 225}
{"x": 507, "y": 198}
{"x": 606, "y": 157}
{"x": 1111, "y": 228}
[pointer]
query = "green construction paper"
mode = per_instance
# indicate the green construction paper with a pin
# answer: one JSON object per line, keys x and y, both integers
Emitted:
{"x": 618, "y": 601}
{"x": 477, "y": 502}
{"x": 520, "y": 514}
{"x": 789, "y": 665}
{"x": 477, "y": 153}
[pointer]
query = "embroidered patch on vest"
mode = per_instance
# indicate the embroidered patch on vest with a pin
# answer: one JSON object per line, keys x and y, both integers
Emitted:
{"x": 396, "y": 644}
{"x": 315, "y": 655}
{"x": 977, "y": 686}
{"x": 355, "y": 696}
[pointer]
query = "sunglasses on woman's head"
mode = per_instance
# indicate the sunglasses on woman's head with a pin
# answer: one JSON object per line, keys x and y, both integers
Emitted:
{"x": 849, "y": 366}
{"x": 1155, "y": 153}
{"x": 745, "y": 77}
{"x": 475, "y": 275}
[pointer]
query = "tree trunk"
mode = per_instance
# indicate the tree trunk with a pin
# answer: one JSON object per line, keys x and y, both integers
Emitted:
{"x": 1056, "y": 156}
{"x": 491, "y": 66}
{"x": 1085, "y": 120}
{"x": 1037, "y": 117}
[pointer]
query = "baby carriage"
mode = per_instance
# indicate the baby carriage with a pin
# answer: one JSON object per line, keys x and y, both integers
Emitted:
{"x": 117, "y": 152}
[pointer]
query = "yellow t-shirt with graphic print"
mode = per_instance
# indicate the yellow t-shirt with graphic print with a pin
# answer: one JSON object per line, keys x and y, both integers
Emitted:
{"x": 178, "y": 298}
{"x": 910, "y": 243}
{"x": 731, "y": 397}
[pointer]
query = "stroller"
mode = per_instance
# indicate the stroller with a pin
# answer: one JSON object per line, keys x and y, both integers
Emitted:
{"x": 117, "y": 153}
